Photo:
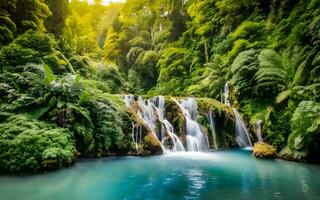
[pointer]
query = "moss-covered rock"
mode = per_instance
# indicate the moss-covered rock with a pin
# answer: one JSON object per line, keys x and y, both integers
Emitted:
{"x": 151, "y": 144}
{"x": 264, "y": 150}
{"x": 224, "y": 121}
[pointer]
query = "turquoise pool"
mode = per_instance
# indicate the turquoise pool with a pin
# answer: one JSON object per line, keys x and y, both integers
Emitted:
{"x": 233, "y": 174}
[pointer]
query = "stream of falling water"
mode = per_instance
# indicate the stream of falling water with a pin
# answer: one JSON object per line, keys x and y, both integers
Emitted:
{"x": 243, "y": 138}
{"x": 258, "y": 130}
{"x": 242, "y": 134}
{"x": 210, "y": 116}
{"x": 150, "y": 111}
{"x": 195, "y": 138}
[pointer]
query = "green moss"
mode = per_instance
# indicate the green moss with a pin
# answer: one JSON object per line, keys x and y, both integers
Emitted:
{"x": 264, "y": 150}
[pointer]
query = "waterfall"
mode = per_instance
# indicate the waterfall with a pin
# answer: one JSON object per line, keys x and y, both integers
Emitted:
{"x": 177, "y": 144}
{"x": 152, "y": 111}
{"x": 242, "y": 134}
{"x": 166, "y": 126}
{"x": 128, "y": 99}
{"x": 146, "y": 113}
{"x": 258, "y": 130}
{"x": 196, "y": 140}
{"x": 212, "y": 128}
{"x": 243, "y": 138}
{"x": 134, "y": 133}
{"x": 226, "y": 94}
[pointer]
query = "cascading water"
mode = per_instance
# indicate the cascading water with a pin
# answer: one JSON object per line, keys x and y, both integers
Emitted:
{"x": 128, "y": 99}
{"x": 166, "y": 126}
{"x": 177, "y": 144}
{"x": 196, "y": 140}
{"x": 136, "y": 134}
{"x": 243, "y": 138}
{"x": 146, "y": 113}
{"x": 258, "y": 130}
{"x": 210, "y": 116}
{"x": 226, "y": 94}
{"x": 150, "y": 111}
{"x": 133, "y": 134}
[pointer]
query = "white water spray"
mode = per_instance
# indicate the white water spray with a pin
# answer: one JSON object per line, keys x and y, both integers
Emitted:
{"x": 177, "y": 144}
{"x": 242, "y": 134}
{"x": 212, "y": 128}
{"x": 166, "y": 126}
{"x": 226, "y": 94}
{"x": 243, "y": 138}
{"x": 150, "y": 111}
{"x": 258, "y": 130}
{"x": 196, "y": 140}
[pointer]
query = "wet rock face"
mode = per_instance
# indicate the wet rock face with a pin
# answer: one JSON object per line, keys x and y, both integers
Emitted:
{"x": 224, "y": 122}
{"x": 264, "y": 150}
{"x": 151, "y": 146}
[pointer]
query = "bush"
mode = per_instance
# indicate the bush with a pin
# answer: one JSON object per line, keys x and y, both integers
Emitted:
{"x": 34, "y": 47}
{"x": 107, "y": 123}
{"x": 303, "y": 142}
{"x": 29, "y": 145}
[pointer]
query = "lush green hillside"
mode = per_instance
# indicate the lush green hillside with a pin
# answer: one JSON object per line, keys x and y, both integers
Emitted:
{"x": 63, "y": 64}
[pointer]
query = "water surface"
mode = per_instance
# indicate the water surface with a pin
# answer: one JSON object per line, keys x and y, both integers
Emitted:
{"x": 216, "y": 175}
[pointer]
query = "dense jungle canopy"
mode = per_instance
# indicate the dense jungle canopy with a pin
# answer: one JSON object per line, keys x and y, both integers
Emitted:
{"x": 64, "y": 66}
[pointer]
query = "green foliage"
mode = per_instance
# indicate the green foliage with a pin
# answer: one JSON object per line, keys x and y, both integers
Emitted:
{"x": 243, "y": 69}
{"x": 7, "y": 26}
{"x": 56, "y": 22}
{"x": 30, "y": 145}
{"x": 305, "y": 125}
{"x": 270, "y": 79}
{"x": 108, "y": 123}
{"x": 174, "y": 62}
{"x": 266, "y": 50}
{"x": 211, "y": 81}
{"x": 30, "y": 14}
{"x": 34, "y": 47}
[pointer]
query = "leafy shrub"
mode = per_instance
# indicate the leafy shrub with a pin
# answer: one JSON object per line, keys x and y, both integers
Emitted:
{"x": 107, "y": 123}
{"x": 80, "y": 65}
{"x": 248, "y": 30}
{"x": 29, "y": 145}
{"x": 303, "y": 142}
{"x": 7, "y": 26}
{"x": 174, "y": 62}
{"x": 34, "y": 47}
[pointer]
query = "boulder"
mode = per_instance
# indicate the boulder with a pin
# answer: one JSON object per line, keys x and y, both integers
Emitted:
{"x": 264, "y": 150}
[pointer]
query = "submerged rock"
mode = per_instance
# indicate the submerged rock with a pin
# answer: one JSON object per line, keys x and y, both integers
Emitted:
{"x": 264, "y": 150}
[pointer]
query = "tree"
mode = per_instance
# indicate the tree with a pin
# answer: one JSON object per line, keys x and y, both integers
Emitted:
{"x": 56, "y": 22}
{"x": 30, "y": 14}
{"x": 7, "y": 26}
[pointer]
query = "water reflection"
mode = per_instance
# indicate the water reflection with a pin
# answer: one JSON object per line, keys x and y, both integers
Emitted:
{"x": 196, "y": 182}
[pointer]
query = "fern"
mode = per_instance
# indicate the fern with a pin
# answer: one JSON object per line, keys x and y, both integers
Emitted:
{"x": 270, "y": 79}
{"x": 49, "y": 76}
{"x": 243, "y": 70}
